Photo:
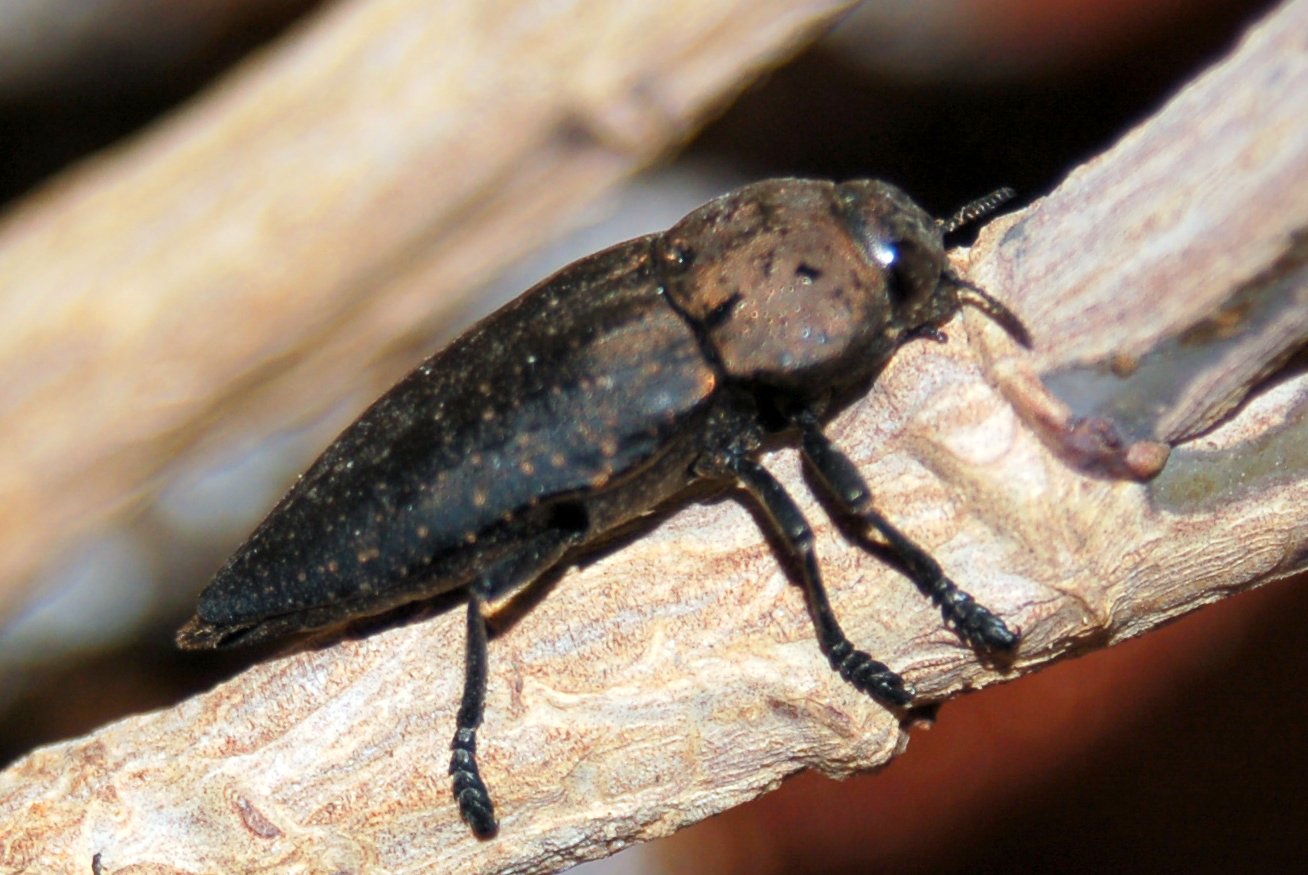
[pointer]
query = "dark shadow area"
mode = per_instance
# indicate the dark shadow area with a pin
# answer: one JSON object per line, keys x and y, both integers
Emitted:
{"x": 950, "y": 141}
{"x": 114, "y": 88}
{"x": 509, "y": 612}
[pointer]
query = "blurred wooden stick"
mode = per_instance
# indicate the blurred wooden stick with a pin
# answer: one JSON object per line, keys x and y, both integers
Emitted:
{"x": 249, "y": 261}
{"x": 678, "y": 676}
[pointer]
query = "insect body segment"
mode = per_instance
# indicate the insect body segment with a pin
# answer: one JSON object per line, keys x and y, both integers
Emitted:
{"x": 607, "y": 389}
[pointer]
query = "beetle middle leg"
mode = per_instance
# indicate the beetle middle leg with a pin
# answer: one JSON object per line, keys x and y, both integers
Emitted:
{"x": 856, "y": 666}
{"x": 975, "y": 623}
{"x": 522, "y": 565}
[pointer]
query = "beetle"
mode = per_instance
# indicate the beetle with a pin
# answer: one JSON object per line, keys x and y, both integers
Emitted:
{"x": 605, "y": 390}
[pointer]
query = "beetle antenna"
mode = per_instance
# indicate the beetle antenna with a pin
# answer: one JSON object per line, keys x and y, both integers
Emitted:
{"x": 972, "y": 295}
{"x": 977, "y": 209}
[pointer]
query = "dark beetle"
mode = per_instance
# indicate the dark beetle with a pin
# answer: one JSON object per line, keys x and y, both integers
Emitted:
{"x": 605, "y": 390}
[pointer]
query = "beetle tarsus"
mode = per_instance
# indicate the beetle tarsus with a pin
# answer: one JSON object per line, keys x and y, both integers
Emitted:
{"x": 974, "y": 623}
{"x": 475, "y": 806}
{"x": 869, "y": 676}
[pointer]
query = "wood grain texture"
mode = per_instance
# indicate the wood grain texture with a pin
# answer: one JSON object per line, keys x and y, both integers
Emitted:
{"x": 678, "y": 676}
{"x": 309, "y": 219}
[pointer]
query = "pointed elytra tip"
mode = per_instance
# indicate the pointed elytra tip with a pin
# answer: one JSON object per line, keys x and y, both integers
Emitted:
{"x": 199, "y": 635}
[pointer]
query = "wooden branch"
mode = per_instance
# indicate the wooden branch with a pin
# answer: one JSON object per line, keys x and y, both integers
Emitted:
{"x": 285, "y": 241}
{"x": 678, "y": 675}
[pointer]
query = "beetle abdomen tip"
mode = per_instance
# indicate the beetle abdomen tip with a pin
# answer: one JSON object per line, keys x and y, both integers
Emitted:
{"x": 200, "y": 635}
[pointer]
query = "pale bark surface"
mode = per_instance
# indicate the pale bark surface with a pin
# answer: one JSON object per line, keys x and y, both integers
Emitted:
{"x": 678, "y": 676}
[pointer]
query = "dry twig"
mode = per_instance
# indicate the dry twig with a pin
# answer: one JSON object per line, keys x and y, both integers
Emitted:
{"x": 678, "y": 676}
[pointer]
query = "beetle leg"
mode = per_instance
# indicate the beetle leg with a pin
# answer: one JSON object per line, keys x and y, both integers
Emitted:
{"x": 855, "y": 666}
{"x": 470, "y": 791}
{"x": 975, "y": 623}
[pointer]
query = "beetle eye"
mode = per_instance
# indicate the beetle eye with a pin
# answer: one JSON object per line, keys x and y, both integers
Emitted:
{"x": 911, "y": 272}
{"x": 885, "y": 253}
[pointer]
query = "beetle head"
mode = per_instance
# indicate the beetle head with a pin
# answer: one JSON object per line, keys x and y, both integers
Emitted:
{"x": 802, "y": 285}
{"x": 896, "y": 234}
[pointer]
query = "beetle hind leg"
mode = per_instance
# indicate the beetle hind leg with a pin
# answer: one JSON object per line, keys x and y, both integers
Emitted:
{"x": 470, "y": 791}
{"x": 519, "y": 567}
{"x": 974, "y": 623}
{"x": 856, "y": 666}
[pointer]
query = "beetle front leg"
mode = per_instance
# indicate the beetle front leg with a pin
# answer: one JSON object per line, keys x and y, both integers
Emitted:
{"x": 975, "y": 623}
{"x": 855, "y": 666}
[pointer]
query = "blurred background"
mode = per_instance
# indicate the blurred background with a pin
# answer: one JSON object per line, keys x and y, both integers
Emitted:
{"x": 1178, "y": 751}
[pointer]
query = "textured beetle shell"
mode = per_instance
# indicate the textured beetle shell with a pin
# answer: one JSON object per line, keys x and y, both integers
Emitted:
{"x": 541, "y": 401}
